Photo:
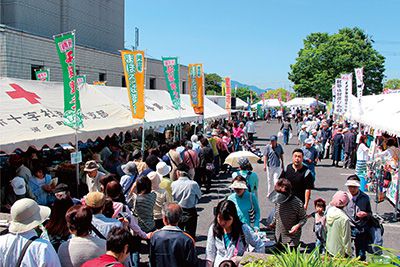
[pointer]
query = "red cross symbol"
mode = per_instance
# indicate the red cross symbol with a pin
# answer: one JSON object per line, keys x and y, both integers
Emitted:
{"x": 21, "y": 93}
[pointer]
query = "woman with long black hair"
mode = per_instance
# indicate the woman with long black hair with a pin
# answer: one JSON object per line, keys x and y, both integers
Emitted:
{"x": 228, "y": 238}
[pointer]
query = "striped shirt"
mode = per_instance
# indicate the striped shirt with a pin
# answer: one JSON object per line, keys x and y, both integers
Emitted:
{"x": 143, "y": 210}
{"x": 287, "y": 215}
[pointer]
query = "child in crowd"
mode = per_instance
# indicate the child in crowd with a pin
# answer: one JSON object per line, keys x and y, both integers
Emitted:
{"x": 320, "y": 223}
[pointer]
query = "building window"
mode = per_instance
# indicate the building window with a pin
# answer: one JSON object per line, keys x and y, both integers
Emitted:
{"x": 183, "y": 87}
{"x": 102, "y": 77}
{"x": 123, "y": 82}
{"x": 152, "y": 83}
{"x": 33, "y": 68}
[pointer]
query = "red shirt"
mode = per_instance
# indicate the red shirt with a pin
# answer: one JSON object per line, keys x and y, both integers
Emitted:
{"x": 102, "y": 260}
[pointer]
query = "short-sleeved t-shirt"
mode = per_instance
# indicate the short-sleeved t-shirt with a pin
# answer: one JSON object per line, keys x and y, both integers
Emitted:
{"x": 301, "y": 180}
{"x": 274, "y": 155}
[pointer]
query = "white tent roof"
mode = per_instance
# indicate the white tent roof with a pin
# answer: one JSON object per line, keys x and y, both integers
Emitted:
{"x": 269, "y": 103}
{"x": 159, "y": 108}
{"x": 382, "y": 112}
{"x": 38, "y": 122}
{"x": 211, "y": 110}
{"x": 303, "y": 102}
{"x": 220, "y": 100}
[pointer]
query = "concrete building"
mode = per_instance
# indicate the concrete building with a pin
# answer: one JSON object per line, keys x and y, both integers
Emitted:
{"x": 26, "y": 43}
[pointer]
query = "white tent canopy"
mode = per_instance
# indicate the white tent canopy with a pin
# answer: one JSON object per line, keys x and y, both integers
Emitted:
{"x": 303, "y": 102}
{"x": 159, "y": 108}
{"x": 211, "y": 110}
{"x": 269, "y": 103}
{"x": 32, "y": 115}
{"x": 220, "y": 101}
{"x": 381, "y": 112}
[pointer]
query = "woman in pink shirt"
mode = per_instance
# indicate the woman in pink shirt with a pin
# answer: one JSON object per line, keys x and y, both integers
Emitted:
{"x": 237, "y": 134}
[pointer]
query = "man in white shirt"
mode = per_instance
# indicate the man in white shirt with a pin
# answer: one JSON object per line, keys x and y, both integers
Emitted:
{"x": 186, "y": 193}
{"x": 26, "y": 215}
{"x": 250, "y": 129}
{"x": 93, "y": 176}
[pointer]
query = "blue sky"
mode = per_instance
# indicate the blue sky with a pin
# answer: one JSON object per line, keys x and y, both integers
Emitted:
{"x": 255, "y": 42}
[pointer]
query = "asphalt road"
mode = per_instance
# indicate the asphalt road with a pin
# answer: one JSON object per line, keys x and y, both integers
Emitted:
{"x": 329, "y": 180}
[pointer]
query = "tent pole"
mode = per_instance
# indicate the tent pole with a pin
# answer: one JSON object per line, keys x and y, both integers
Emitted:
{"x": 143, "y": 136}
{"x": 77, "y": 163}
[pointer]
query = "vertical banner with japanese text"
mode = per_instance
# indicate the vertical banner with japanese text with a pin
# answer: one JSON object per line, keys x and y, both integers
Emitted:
{"x": 339, "y": 96}
{"x": 171, "y": 72}
{"x": 65, "y": 45}
{"x": 42, "y": 75}
{"x": 80, "y": 80}
{"x": 359, "y": 81}
{"x": 228, "y": 95}
{"x": 133, "y": 63}
{"x": 347, "y": 80}
{"x": 196, "y": 87}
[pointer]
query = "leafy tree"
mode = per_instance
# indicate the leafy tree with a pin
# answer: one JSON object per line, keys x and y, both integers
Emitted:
{"x": 212, "y": 83}
{"x": 325, "y": 57}
{"x": 393, "y": 84}
{"x": 275, "y": 94}
{"x": 244, "y": 93}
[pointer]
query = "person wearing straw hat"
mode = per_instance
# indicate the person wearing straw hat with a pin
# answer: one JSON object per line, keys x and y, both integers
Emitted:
{"x": 163, "y": 170}
{"x": 338, "y": 240}
{"x": 246, "y": 203}
{"x": 21, "y": 246}
{"x": 93, "y": 176}
{"x": 360, "y": 212}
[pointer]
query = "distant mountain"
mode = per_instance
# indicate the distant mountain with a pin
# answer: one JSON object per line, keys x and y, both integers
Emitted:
{"x": 254, "y": 88}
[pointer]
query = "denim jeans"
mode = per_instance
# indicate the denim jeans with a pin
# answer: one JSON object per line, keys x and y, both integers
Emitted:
{"x": 285, "y": 136}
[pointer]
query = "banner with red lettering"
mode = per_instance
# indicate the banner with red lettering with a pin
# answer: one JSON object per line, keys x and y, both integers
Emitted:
{"x": 228, "y": 96}
{"x": 65, "y": 45}
{"x": 42, "y": 75}
{"x": 171, "y": 72}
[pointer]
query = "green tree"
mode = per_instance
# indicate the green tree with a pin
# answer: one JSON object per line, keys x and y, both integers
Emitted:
{"x": 244, "y": 93}
{"x": 275, "y": 94}
{"x": 212, "y": 83}
{"x": 325, "y": 57}
{"x": 393, "y": 84}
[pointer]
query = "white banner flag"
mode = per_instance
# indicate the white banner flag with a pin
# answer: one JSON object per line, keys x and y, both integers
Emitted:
{"x": 360, "y": 81}
{"x": 339, "y": 96}
{"x": 347, "y": 83}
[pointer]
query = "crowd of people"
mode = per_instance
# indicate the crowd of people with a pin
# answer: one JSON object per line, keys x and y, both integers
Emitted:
{"x": 129, "y": 202}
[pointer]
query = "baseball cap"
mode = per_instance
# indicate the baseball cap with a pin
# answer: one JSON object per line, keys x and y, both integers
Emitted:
{"x": 273, "y": 138}
{"x": 18, "y": 185}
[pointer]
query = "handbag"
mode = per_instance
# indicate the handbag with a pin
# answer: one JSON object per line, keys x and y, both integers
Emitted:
{"x": 252, "y": 212}
{"x": 210, "y": 166}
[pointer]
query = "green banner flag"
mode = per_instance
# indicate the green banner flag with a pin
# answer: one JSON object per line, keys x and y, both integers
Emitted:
{"x": 171, "y": 72}
{"x": 65, "y": 45}
{"x": 80, "y": 79}
{"x": 42, "y": 75}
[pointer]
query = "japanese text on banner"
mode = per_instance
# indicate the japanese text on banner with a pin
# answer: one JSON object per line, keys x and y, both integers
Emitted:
{"x": 171, "y": 72}
{"x": 65, "y": 45}
{"x": 133, "y": 63}
{"x": 228, "y": 94}
{"x": 347, "y": 80}
{"x": 196, "y": 87}
{"x": 339, "y": 96}
{"x": 42, "y": 75}
{"x": 359, "y": 81}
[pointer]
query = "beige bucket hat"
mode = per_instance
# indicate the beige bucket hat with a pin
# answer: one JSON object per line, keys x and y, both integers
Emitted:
{"x": 26, "y": 214}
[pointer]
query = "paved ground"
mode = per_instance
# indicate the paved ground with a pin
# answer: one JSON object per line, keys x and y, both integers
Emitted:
{"x": 329, "y": 180}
